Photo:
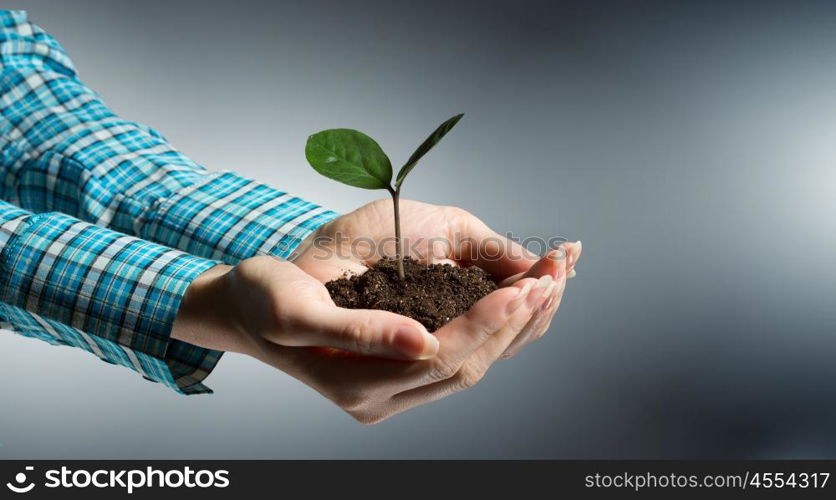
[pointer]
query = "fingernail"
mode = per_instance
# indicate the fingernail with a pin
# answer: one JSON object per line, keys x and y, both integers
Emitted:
{"x": 578, "y": 246}
{"x": 540, "y": 291}
{"x": 557, "y": 254}
{"x": 520, "y": 298}
{"x": 416, "y": 344}
{"x": 544, "y": 281}
{"x": 571, "y": 274}
{"x": 431, "y": 346}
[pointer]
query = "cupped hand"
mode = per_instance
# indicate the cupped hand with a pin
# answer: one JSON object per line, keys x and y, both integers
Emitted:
{"x": 373, "y": 389}
{"x": 273, "y": 311}
{"x": 440, "y": 234}
{"x": 280, "y": 312}
{"x": 266, "y": 300}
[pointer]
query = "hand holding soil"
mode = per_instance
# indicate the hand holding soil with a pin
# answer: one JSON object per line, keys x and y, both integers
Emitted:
{"x": 281, "y": 313}
{"x": 483, "y": 296}
{"x": 275, "y": 312}
{"x": 430, "y": 293}
{"x": 350, "y": 244}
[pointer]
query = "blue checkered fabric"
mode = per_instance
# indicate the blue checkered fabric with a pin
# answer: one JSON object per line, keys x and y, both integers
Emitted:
{"x": 103, "y": 224}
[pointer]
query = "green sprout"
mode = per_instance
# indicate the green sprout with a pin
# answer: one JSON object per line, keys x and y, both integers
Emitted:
{"x": 353, "y": 158}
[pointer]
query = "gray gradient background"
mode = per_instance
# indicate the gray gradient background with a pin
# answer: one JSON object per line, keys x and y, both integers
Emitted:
{"x": 690, "y": 146}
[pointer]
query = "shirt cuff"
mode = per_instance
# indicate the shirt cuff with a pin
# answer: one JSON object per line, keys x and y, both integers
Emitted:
{"x": 118, "y": 292}
{"x": 227, "y": 217}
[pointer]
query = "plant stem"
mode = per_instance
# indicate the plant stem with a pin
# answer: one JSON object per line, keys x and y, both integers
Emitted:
{"x": 396, "y": 194}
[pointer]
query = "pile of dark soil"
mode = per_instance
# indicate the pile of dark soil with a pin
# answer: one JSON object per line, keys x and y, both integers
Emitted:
{"x": 431, "y": 294}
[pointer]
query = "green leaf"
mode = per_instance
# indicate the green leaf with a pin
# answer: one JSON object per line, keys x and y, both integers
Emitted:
{"x": 350, "y": 157}
{"x": 425, "y": 147}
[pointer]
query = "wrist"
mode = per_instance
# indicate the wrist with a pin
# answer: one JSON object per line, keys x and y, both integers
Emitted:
{"x": 204, "y": 318}
{"x": 308, "y": 242}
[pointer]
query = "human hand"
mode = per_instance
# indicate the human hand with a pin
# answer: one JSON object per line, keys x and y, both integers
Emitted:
{"x": 268, "y": 301}
{"x": 252, "y": 309}
{"x": 434, "y": 233}
{"x": 273, "y": 311}
{"x": 372, "y": 389}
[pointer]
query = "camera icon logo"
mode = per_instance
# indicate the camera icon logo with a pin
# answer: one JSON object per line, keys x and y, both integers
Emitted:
{"x": 20, "y": 479}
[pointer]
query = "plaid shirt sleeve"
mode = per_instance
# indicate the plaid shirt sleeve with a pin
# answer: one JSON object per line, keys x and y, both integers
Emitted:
{"x": 63, "y": 151}
{"x": 69, "y": 282}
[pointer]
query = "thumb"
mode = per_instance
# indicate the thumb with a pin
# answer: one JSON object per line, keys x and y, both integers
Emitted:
{"x": 368, "y": 332}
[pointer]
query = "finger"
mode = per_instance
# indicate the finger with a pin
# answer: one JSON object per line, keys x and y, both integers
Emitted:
{"x": 543, "y": 316}
{"x": 325, "y": 369}
{"x": 537, "y": 330}
{"x": 462, "y": 336}
{"x": 548, "y": 265}
{"x": 458, "y": 339}
{"x": 338, "y": 374}
{"x": 466, "y": 333}
{"x": 365, "y": 331}
{"x": 555, "y": 308}
{"x": 556, "y": 262}
{"x": 573, "y": 254}
{"x": 474, "y": 368}
{"x": 496, "y": 254}
{"x": 539, "y": 319}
